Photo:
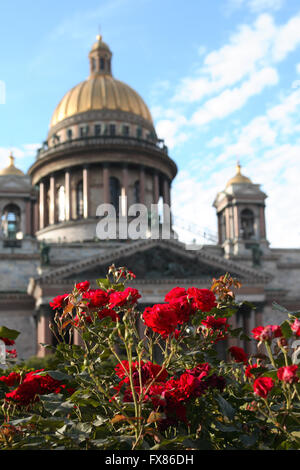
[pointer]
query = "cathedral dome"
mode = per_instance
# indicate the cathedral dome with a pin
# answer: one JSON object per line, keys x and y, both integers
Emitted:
{"x": 101, "y": 91}
{"x": 11, "y": 169}
{"x": 98, "y": 93}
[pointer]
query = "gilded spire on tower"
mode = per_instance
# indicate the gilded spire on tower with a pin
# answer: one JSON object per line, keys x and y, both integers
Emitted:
{"x": 11, "y": 169}
{"x": 239, "y": 178}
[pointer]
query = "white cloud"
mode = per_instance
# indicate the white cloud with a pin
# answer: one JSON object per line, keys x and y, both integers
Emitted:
{"x": 256, "y": 6}
{"x": 243, "y": 55}
{"x": 231, "y": 100}
{"x": 261, "y": 5}
{"x": 287, "y": 39}
{"x": 169, "y": 130}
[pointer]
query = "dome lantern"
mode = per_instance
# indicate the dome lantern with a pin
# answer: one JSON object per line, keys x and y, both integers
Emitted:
{"x": 100, "y": 58}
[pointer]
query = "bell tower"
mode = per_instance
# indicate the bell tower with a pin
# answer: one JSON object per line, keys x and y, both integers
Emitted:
{"x": 241, "y": 219}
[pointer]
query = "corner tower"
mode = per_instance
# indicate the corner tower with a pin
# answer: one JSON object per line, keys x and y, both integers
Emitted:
{"x": 241, "y": 218}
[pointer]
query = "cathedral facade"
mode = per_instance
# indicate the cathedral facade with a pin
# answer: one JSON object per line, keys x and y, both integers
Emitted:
{"x": 101, "y": 147}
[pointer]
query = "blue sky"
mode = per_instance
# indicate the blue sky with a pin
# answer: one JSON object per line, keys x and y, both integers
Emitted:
{"x": 221, "y": 78}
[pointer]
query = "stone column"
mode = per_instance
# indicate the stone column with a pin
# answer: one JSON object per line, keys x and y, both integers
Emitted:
{"x": 42, "y": 205}
{"x": 236, "y": 223}
{"x": 156, "y": 188}
{"x": 68, "y": 195}
{"x": 246, "y": 327}
{"x": 262, "y": 222}
{"x": 106, "y": 191}
{"x": 166, "y": 192}
{"x": 142, "y": 185}
{"x": 28, "y": 217}
{"x": 77, "y": 338}
{"x": 258, "y": 317}
{"x": 52, "y": 211}
{"x": 232, "y": 322}
{"x": 86, "y": 202}
{"x": 36, "y": 223}
{"x": 124, "y": 180}
{"x": 44, "y": 334}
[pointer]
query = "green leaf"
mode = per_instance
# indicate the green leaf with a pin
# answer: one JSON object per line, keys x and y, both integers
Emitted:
{"x": 54, "y": 404}
{"x": 103, "y": 283}
{"x": 286, "y": 329}
{"x": 7, "y": 333}
{"x": 279, "y": 308}
{"x": 226, "y": 407}
{"x": 248, "y": 440}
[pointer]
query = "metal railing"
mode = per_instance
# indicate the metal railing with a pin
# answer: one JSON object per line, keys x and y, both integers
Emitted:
{"x": 101, "y": 140}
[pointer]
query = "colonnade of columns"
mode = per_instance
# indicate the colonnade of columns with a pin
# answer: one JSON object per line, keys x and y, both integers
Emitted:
{"x": 48, "y": 210}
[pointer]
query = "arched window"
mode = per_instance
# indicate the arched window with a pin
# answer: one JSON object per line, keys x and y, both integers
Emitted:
{"x": 125, "y": 130}
{"x": 69, "y": 134}
{"x": 247, "y": 224}
{"x": 10, "y": 222}
{"x": 102, "y": 63}
{"x": 115, "y": 192}
{"x": 97, "y": 129}
{"x": 136, "y": 192}
{"x": 61, "y": 200}
{"x": 79, "y": 200}
{"x": 112, "y": 129}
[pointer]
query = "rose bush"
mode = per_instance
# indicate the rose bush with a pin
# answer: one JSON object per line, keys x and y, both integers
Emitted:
{"x": 165, "y": 388}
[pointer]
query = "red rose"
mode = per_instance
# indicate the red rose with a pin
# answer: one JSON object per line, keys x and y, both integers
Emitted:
{"x": 32, "y": 386}
{"x": 249, "y": 368}
{"x": 7, "y": 342}
{"x": 97, "y": 298}
{"x": 176, "y": 295}
{"x": 108, "y": 312}
{"x": 288, "y": 374}
{"x": 295, "y": 327}
{"x": 202, "y": 299}
{"x": 12, "y": 353}
{"x": 178, "y": 298}
{"x": 214, "y": 325}
{"x": 59, "y": 301}
{"x": 266, "y": 333}
{"x": 238, "y": 354}
{"x": 83, "y": 317}
{"x": 161, "y": 318}
{"x": 262, "y": 386}
{"x": 83, "y": 286}
{"x": 128, "y": 296}
{"x": 200, "y": 371}
{"x": 12, "y": 379}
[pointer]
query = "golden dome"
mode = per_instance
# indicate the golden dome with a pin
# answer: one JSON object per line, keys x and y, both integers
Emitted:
{"x": 97, "y": 93}
{"x": 100, "y": 91}
{"x": 11, "y": 169}
{"x": 239, "y": 178}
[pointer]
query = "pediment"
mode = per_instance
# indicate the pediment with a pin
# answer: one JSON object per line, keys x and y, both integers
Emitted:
{"x": 158, "y": 260}
{"x": 14, "y": 183}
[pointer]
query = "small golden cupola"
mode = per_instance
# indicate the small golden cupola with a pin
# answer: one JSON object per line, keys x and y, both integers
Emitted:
{"x": 239, "y": 178}
{"x": 100, "y": 58}
{"x": 11, "y": 169}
